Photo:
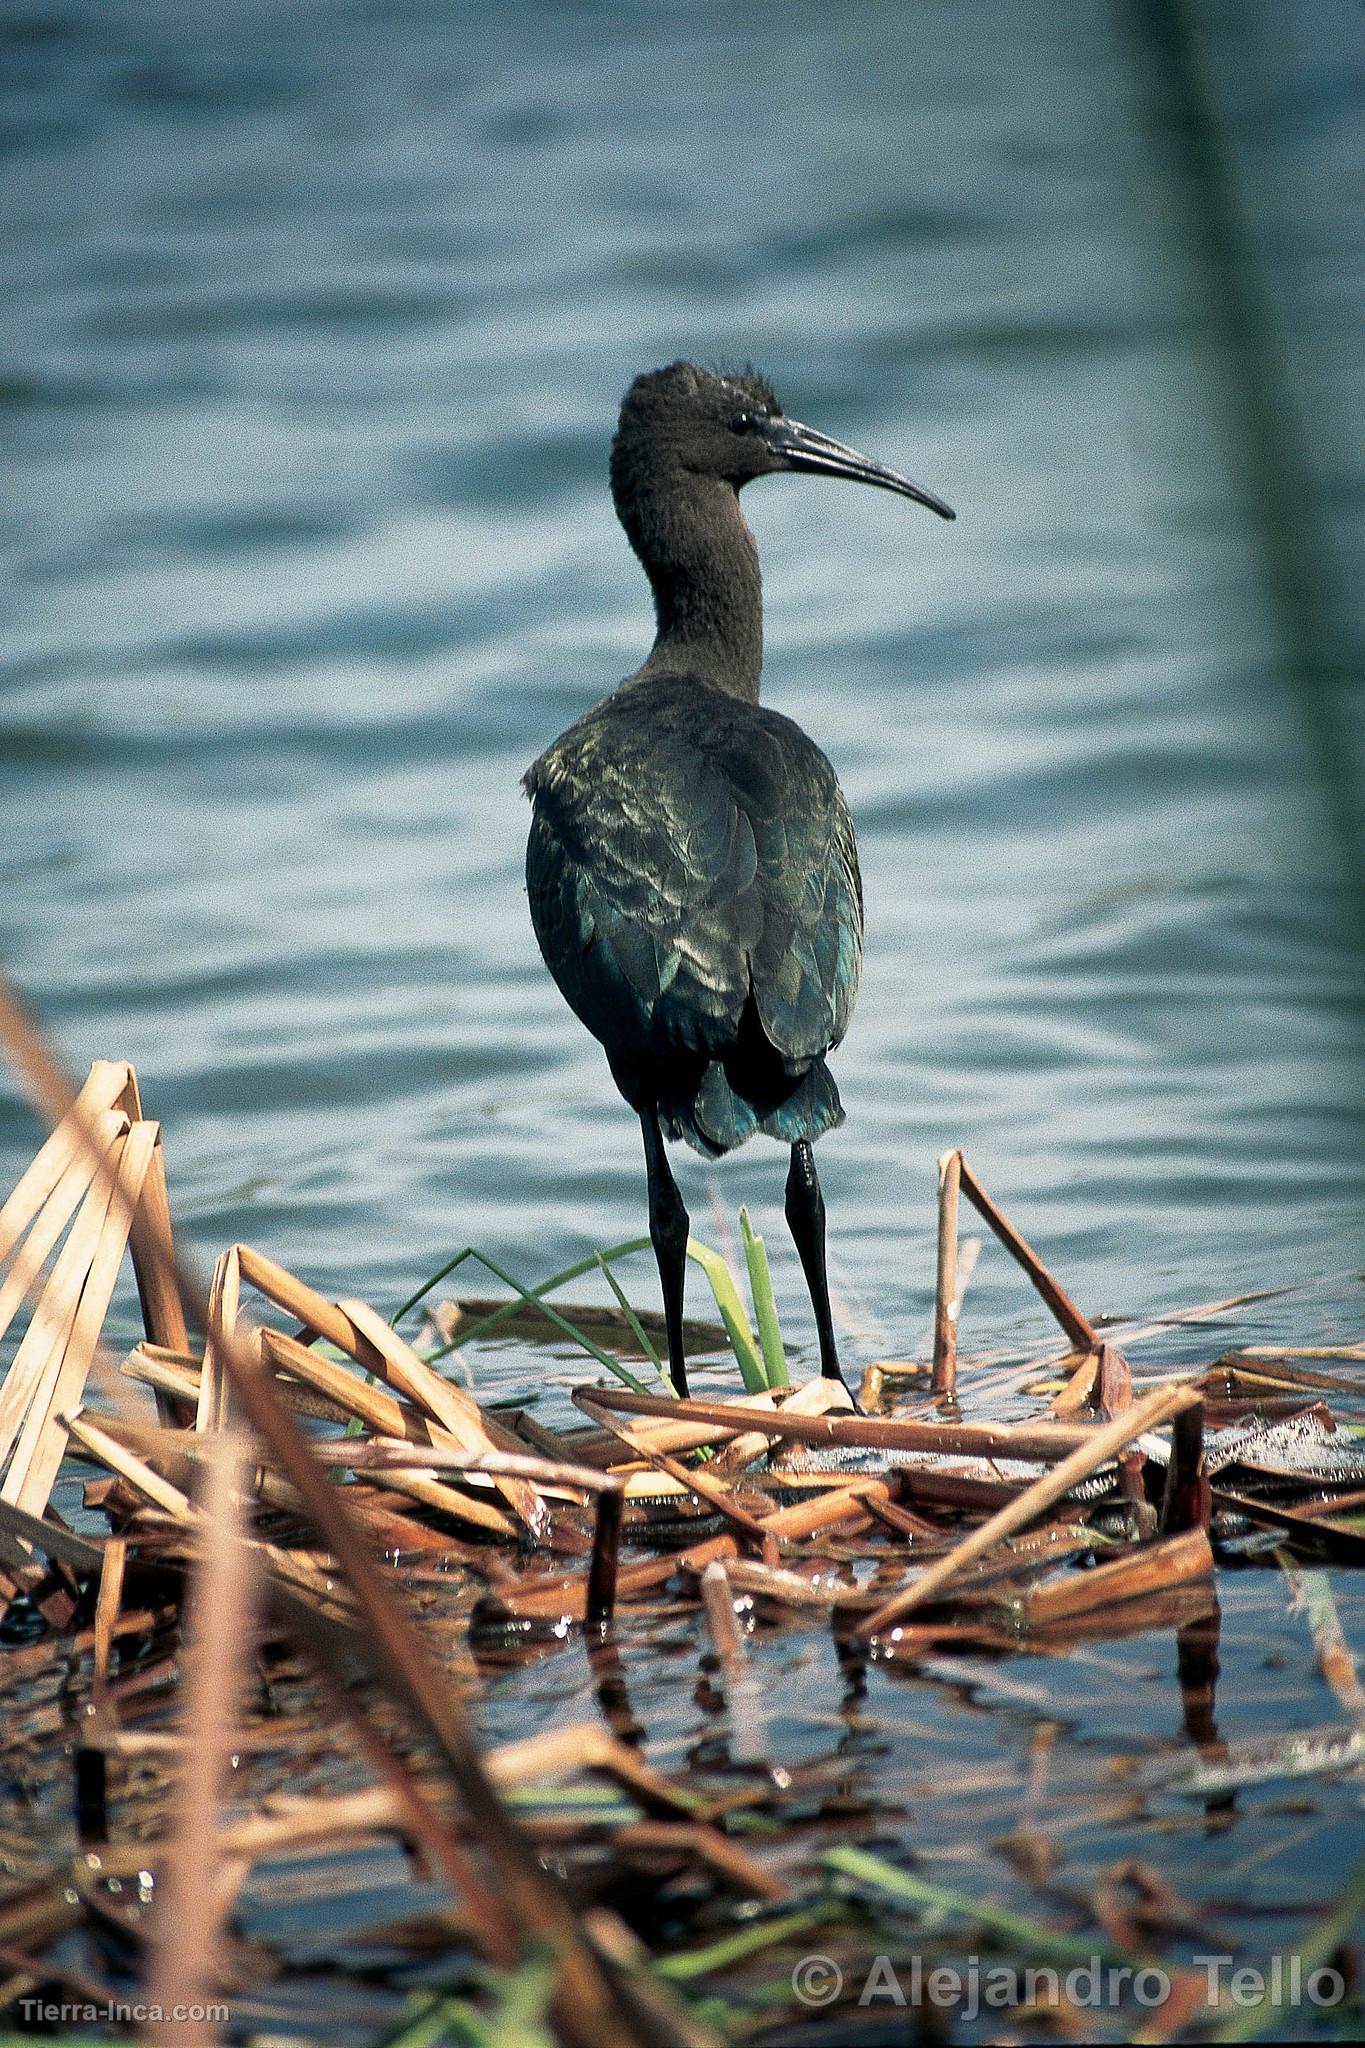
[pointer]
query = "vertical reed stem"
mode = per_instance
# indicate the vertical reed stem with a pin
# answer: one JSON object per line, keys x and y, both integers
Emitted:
{"x": 606, "y": 1551}
{"x": 945, "y": 1292}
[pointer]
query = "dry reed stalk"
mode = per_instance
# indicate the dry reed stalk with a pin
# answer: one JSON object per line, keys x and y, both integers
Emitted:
{"x": 695, "y": 1839}
{"x": 397, "y": 1467}
{"x": 158, "y": 1284}
{"x": 294, "y": 1822}
{"x": 42, "y": 1444}
{"x": 743, "y": 1696}
{"x": 1039, "y": 1443}
{"x": 166, "y": 1372}
{"x": 645, "y": 1999}
{"x": 677, "y": 1437}
{"x": 586, "y": 1746}
{"x": 86, "y": 1989}
{"x": 600, "y": 1599}
{"x": 1334, "y": 1504}
{"x": 945, "y": 1288}
{"x": 35, "y": 1365}
{"x": 813, "y": 1397}
{"x": 52, "y": 1539}
{"x": 101, "y": 1091}
{"x": 1339, "y": 1539}
{"x": 456, "y": 1411}
{"x": 735, "y": 1450}
{"x": 1077, "y": 1327}
{"x": 842, "y": 1501}
{"x": 364, "y": 1336}
{"x": 931, "y": 1487}
{"x": 351, "y": 1394}
{"x": 15, "y": 1564}
{"x": 693, "y": 1480}
{"x": 492, "y": 1929}
{"x": 465, "y": 1508}
{"x": 383, "y": 1413}
{"x": 1158, "y": 1407}
{"x": 1272, "y": 1351}
{"x": 893, "y": 1515}
{"x": 586, "y": 2009}
{"x": 1312, "y": 1590}
{"x": 1113, "y": 1382}
{"x": 187, "y": 1963}
{"x": 791, "y": 1588}
{"x": 1290, "y": 1377}
{"x": 41, "y": 1913}
{"x": 314, "y": 1632}
{"x": 106, "y": 1442}
{"x": 1114, "y": 1394}
{"x": 1149, "y": 1568}
{"x": 390, "y": 1418}
{"x": 107, "y": 1450}
{"x": 68, "y": 1161}
{"x": 107, "y": 1607}
{"x": 397, "y": 1533}
{"x": 556, "y": 1478}
{"x": 547, "y": 1443}
{"x": 177, "y": 1374}
{"x": 838, "y": 1504}
{"x": 1079, "y": 1391}
{"x": 718, "y": 1606}
{"x": 1187, "y": 1501}
{"x": 225, "y": 1296}
{"x": 32, "y": 1255}
{"x": 1028, "y": 1552}
{"x": 565, "y": 1598}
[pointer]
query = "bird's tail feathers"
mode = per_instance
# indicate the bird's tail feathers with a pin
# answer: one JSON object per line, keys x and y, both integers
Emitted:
{"x": 715, "y": 1117}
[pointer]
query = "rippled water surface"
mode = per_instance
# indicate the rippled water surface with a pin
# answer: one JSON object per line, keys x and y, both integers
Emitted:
{"x": 316, "y": 324}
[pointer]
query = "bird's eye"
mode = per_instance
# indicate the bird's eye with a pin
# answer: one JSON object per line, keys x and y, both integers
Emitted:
{"x": 743, "y": 423}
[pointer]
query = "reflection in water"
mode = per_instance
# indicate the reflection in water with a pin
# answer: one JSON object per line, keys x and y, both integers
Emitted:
{"x": 1197, "y": 1651}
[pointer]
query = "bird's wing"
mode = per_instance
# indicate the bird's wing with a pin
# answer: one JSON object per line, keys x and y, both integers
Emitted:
{"x": 806, "y": 964}
{"x": 685, "y": 852}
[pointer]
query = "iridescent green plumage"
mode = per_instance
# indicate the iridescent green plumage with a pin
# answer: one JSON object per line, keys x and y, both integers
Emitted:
{"x": 694, "y": 887}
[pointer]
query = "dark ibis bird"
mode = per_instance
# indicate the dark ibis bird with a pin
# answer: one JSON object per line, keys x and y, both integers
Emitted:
{"x": 692, "y": 867}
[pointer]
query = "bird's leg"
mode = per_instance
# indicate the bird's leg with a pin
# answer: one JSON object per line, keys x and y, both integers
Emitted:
{"x": 669, "y": 1229}
{"x": 806, "y": 1221}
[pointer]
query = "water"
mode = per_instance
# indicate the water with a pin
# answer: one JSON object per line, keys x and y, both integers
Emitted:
{"x": 317, "y": 322}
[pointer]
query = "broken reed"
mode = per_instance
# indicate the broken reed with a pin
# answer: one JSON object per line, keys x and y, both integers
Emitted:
{"x": 542, "y": 1518}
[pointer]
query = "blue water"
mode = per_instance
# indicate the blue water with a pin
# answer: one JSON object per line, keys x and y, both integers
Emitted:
{"x": 316, "y": 323}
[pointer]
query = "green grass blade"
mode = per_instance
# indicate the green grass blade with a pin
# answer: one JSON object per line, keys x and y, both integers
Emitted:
{"x": 424, "y": 1290}
{"x": 534, "y": 1294}
{"x": 732, "y": 1314}
{"x": 641, "y": 1335}
{"x": 749, "y": 1941}
{"x": 765, "y": 1308}
{"x": 517, "y": 2014}
{"x": 1034, "y": 1937}
{"x": 551, "y": 1315}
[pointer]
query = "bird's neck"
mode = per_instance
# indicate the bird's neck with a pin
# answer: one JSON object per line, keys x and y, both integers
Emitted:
{"x": 702, "y": 564}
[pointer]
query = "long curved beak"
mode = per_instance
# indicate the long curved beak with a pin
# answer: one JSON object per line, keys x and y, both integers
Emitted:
{"x": 800, "y": 447}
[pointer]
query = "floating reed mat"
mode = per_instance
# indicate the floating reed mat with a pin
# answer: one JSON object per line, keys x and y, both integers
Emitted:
{"x": 272, "y": 1474}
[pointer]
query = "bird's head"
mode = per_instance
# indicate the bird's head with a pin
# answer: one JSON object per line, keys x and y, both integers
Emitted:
{"x": 730, "y": 427}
